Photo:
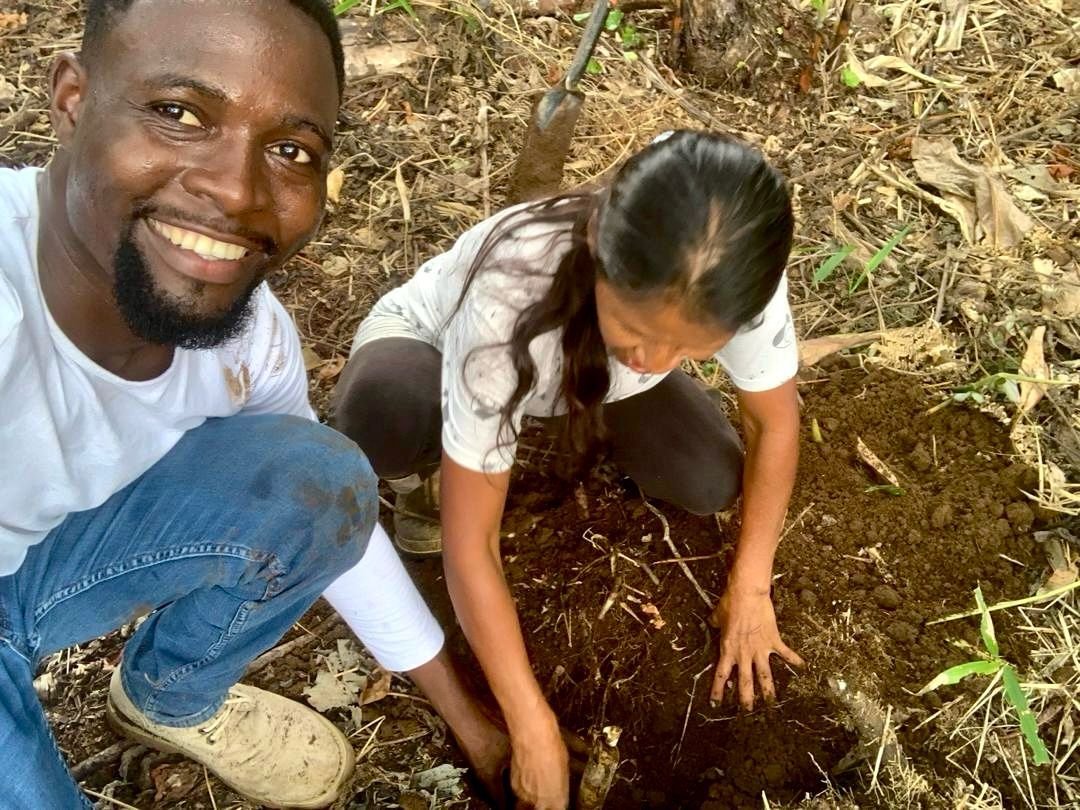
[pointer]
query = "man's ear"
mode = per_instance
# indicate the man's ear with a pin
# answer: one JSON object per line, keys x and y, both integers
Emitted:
{"x": 67, "y": 90}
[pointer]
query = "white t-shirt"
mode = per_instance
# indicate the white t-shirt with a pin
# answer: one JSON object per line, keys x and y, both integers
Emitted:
{"x": 71, "y": 433}
{"x": 477, "y": 374}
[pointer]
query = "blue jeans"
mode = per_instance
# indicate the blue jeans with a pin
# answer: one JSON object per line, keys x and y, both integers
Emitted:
{"x": 225, "y": 542}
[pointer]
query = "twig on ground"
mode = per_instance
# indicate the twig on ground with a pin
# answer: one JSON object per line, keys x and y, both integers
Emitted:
{"x": 209, "y": 789}
{"x": 881, "y": 750}
{"x": 109, "y": 799}
{"x": 102, "y": 757}
{"x": 686, "y": 719}
{"x": 299, "y": 643}
{"x": 1030, "y": 600}
{"x": 675, "y": 552}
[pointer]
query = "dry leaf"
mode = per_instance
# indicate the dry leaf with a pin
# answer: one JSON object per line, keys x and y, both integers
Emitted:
{"x": 11, "y": 19}
{"x": 1040, "y": 179}
{"x": 876, "y": 464}
{"x": 950, "y": 35}
{"x": 8, "y": 93}
{"x": 884, "y": 62}
{"x": 173, "y": 782}
{"x": 403, "y": 193}
{"x": 442, "y": 780}
{"x": 1062, "y": 570}
{"x": 334, "y": 181}
{"x": 332, "y": 691}
{"x": 1068, "y": 79}
{"x": 336, "y": 266}
{"x": 855, "y": 65}
{"x": 364, "y": 59}
{"x": 996, "y": 216}
{"x": 938, "y": 163}
{"x": 1003, "y": 224}
{"x": 311, "y": 358}
{"x": 813, "y": 351}
{"x": 1033, "y": 365}
{"x": 333, "y": 367}
{"x": 376, "y": 688}
{"x": 1060, "y": 293}
{"x": 1060, "y": 171}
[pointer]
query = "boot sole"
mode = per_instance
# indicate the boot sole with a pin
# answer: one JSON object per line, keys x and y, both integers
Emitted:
{"x": 121, "y": 725}
{"x": 419, "y": 550}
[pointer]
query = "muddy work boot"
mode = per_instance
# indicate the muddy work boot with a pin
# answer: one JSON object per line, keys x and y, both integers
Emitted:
{"x": 269, "y": 748}
{"x": 417, "y": 530}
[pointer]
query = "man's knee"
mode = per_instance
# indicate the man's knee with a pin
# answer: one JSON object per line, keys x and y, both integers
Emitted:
{"x": 321, "y": 483}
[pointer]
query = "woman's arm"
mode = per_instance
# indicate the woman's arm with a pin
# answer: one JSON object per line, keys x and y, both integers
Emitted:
{"x": 472, "y": 504}
{"x": 745, "y": 611}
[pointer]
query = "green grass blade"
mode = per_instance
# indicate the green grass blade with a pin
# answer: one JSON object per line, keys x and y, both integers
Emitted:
{"x": 986, "y": 624}
{"x": 879, "y": 257}
{"x": 1028, "y": 725}
{"x": 828, "y": 267}
{"x": 404, "y": 5}
{"x": 953, "y": 675}
{"x": 344, "y": 6}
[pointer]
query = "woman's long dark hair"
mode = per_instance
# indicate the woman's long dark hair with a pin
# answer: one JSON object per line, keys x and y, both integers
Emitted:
{"x": 698, "y": 216}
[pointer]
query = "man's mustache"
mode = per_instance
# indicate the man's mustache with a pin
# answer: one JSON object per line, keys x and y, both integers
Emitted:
{"x": 222, "y": 226}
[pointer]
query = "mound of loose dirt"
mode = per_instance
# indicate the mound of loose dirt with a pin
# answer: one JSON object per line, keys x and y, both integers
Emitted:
{"x": 859, "y": 574}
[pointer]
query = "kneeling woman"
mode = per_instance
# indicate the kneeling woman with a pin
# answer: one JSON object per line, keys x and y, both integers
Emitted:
{"x": 583, "y": 306}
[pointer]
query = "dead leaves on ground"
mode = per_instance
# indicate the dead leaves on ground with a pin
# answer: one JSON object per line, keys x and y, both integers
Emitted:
{"x": 10, "y": 20}
{"x": 341, "y": 683}
{"x": 977, "y": 196}
{"x": 1034, "y": 366}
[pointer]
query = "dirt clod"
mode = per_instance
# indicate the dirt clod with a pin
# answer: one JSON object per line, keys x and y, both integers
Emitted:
{"x": 942, "y": 516}
{"x": 1021, "y": 517}
{"x": 901, "y": 632}
{"x": 887, "y": 597}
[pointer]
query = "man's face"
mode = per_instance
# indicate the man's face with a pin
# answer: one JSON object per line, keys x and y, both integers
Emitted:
{"x": 199, "y": 144}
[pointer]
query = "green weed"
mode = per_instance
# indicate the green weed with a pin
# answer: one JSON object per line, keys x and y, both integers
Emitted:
{"x": 829, "y": 266}
{"x": 392, "y": 5}
{"x": 616, "y": 23}
{"x": 993, "y": 665}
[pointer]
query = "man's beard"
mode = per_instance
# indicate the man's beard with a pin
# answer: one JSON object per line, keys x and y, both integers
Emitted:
{"x": 160, "y": 318}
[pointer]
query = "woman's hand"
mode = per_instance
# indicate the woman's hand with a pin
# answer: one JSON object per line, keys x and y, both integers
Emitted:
{"x": 539, "y": 766}
{"x": 748, "y": 636}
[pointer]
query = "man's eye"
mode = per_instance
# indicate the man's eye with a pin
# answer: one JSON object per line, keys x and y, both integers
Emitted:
{"x": 180, "y": 114}
{"x": 293, "y": 152}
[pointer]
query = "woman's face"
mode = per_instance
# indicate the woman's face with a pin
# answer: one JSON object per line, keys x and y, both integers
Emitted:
{"x": 653, "y": 335}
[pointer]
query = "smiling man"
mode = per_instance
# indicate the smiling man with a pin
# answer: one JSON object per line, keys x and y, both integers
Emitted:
{"x": 159, "y": 452}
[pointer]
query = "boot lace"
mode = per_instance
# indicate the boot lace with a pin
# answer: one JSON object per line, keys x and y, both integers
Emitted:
{"x": 235, "y": 707}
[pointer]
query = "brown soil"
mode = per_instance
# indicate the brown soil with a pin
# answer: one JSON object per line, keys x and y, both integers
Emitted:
{"x": 960, "y": 510}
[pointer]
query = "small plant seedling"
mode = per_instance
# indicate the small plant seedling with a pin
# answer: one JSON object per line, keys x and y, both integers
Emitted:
{"x": 616, "y": 23}
{"x": 993, "y": 665}
{"x": 850, "y": 78}
{"x": 392, "y": 5}
{"x": 828, "y": 267}
{"x": 879, "y": 257}
{"x": 1002, "y": 383}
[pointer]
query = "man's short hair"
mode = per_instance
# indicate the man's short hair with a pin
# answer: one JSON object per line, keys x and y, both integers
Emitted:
{"x": 101, "y": 15}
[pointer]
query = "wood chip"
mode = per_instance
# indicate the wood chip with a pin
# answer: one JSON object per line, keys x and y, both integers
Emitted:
{"x": 876, "y": 464}
{"x": 1033, "y": 365}
{"x": 334, "y": 181}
